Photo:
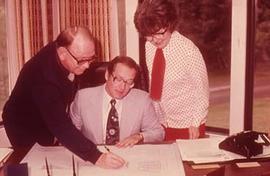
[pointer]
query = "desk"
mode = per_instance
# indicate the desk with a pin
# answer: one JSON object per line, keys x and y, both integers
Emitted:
{"x": 230, "y": 169}
{"x": 15, "y": 157}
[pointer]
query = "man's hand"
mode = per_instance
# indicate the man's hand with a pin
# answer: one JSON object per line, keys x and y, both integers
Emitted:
{"x": 110, "y": 161}
{"x": 193, "y": 132}
{"x": 130, "y": 141}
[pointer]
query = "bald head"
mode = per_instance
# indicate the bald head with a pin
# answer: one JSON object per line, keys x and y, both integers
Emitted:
{"x": 66, "y": 37}
{"x": 76, "y": 49}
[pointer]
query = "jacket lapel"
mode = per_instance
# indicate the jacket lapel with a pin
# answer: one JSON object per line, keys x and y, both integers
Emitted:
{"x": 97, "y": 105}
{"x": 127, "y": 118}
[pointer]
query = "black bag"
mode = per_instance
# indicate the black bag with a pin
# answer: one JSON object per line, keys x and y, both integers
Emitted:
{"x": 244, "y": 143}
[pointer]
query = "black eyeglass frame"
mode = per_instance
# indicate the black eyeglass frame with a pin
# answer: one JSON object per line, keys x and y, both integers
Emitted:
{"x": 159, "y": 34}
{"x": 118, "y": 80}
{"x": 82, "y": 61}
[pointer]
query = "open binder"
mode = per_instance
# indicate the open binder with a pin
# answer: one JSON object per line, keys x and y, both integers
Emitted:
{"x": 206, "y": 150}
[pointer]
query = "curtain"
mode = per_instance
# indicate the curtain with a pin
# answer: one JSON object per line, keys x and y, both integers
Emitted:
{"x": 39, "y": 21}
{"x": 91, "y": 13}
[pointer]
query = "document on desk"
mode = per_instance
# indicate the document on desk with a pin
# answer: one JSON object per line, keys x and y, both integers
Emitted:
{"x": 204, "y": 150}
{"x": 142, "y": 160}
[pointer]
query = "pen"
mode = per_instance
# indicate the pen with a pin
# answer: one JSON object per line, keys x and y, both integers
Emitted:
{"x": 47, "y": 167}
{"x": 126, "y": 164}
{"x": 73, "y": 166}
{"x": 107, "y": 148}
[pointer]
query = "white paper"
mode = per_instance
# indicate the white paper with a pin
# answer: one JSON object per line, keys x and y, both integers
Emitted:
{"x": 205, "y": 150}
{"x": 142, "y": 160}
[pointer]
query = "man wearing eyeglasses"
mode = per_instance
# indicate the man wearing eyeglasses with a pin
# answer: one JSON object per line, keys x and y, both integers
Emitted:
{"x": 135, "y": 116}
{"x": 37, "y": 110}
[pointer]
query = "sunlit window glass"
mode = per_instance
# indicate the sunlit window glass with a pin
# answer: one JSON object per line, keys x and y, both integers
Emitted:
{"x": 3, "y": 58}
{"x": 261, "y": 102}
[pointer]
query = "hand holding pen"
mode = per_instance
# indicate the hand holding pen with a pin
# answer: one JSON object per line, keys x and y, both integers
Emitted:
{"x": 108, "y": 150}
{"x": 110, "y": 160}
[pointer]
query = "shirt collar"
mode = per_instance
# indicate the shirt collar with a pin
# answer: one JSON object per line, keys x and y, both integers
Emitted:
{"x": 107, "y": 98}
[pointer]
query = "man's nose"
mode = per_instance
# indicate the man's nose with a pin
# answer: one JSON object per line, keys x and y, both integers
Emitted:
{"x": 122, "y": 85}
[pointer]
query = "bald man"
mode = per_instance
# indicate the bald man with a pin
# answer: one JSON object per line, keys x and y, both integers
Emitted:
{"x": 37, "y": 107}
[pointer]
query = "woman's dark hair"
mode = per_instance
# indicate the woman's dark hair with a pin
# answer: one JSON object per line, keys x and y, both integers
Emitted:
{"x": 153, "y": 15}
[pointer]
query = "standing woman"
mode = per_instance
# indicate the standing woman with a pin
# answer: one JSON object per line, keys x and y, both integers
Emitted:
{"x": 178, "y": 76}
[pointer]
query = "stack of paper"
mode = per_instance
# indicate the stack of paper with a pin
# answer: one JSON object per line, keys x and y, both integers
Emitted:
{"x": 206, "y": 150}
{"x": 4, "y": 153}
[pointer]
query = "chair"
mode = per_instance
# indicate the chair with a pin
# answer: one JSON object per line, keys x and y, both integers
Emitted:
{"x": 94, "y": 76}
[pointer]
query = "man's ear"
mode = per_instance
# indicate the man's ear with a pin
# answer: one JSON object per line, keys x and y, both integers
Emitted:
{"x": 106, "y": 75}
{"x": 61, "y": 53}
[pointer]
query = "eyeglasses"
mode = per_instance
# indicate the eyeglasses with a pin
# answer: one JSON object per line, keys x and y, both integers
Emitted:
{"x": 83, "y": 60}
{"x": 158, "y": 34}
{"x": 118, "y": 80}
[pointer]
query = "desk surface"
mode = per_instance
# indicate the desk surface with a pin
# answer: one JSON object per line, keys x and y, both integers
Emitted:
{"x": 230, "y": 169}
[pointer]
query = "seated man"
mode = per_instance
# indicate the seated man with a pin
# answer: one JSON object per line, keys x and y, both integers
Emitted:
{"x": 114, "y": 113}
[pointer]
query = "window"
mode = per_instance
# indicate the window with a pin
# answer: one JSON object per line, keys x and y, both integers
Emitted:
{"x": 3, "y": 59}
{"x": 261, "y": 96}
{"x": 208, "y": 25}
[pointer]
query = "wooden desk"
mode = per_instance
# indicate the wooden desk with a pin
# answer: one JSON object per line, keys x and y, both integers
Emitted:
{"x": 15, "y": 157}
{"x": 230, "y": 169}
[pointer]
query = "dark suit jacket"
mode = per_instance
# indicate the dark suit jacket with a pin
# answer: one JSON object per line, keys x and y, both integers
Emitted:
{"x": 37, "y": 108}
